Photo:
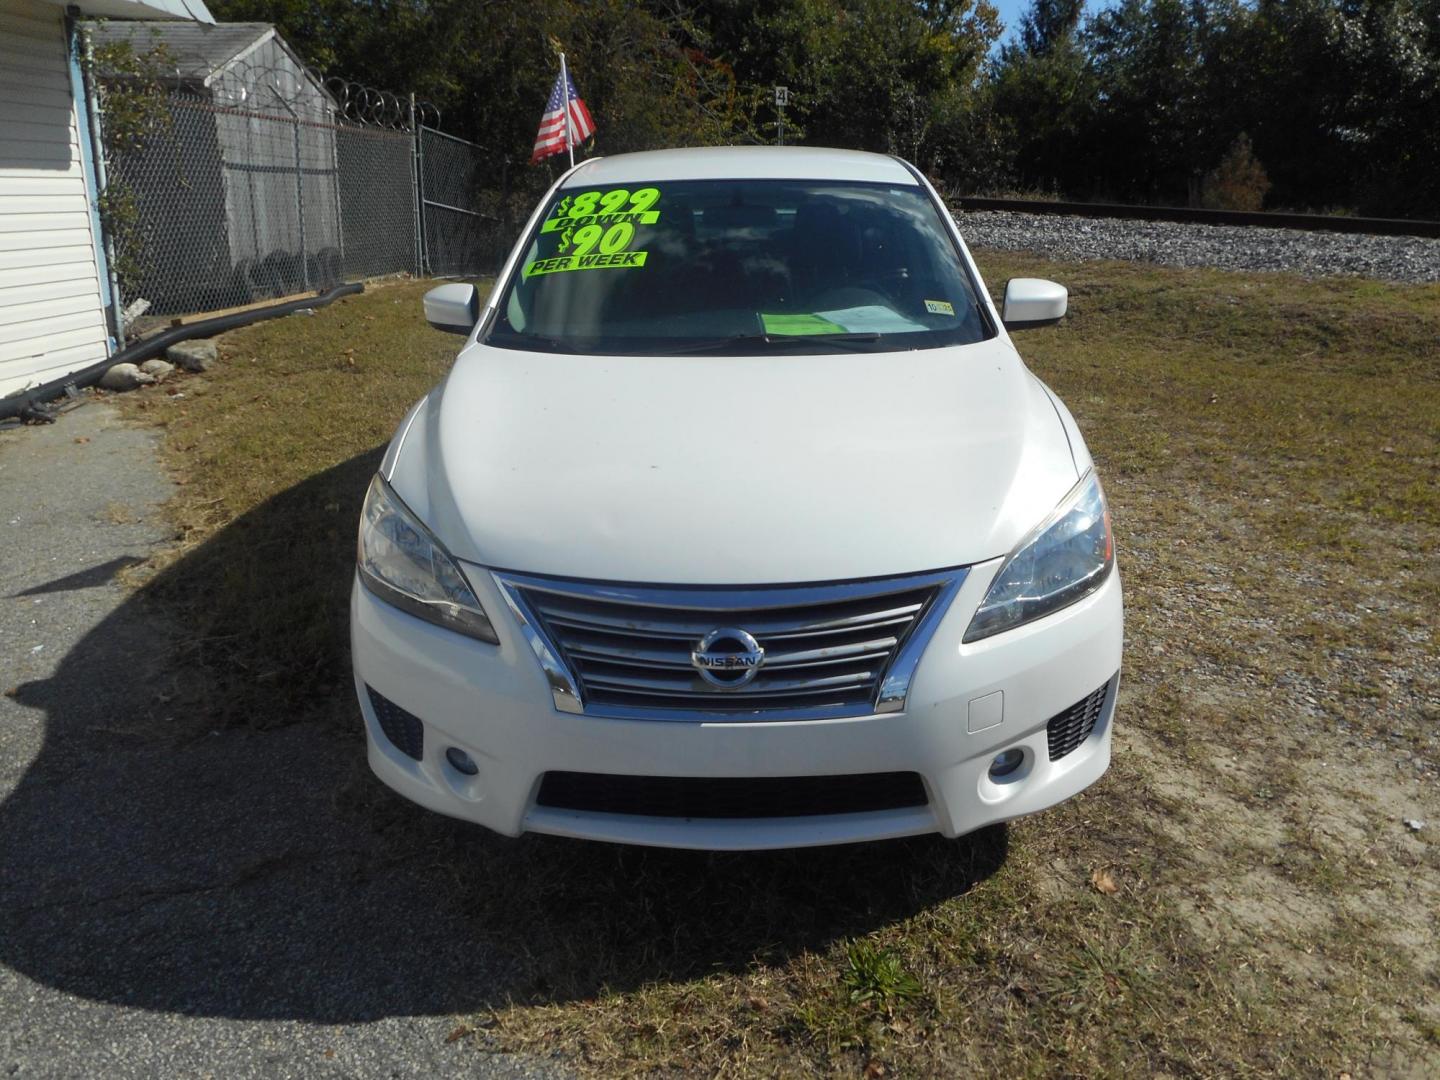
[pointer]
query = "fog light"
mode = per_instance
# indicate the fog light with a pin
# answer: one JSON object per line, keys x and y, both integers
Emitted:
{"x": 461, "y": 762}
{"x": 1006, "y": 762}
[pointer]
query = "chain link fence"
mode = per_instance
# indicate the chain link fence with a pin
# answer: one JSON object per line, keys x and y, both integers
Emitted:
{"x": 381, "y": 229}
{"x": 248, "y": 189}
{"x": 458, "y": 234}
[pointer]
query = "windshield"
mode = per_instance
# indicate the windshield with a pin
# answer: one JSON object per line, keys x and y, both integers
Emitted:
{"x": 739, "y": 266}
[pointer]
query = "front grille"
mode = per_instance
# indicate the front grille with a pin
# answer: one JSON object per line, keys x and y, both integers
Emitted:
{"x": 1067, "y": 730}
{"x": 829, "y": 650}
{"x": 402, "y": 728}
{"x": 757, "y": 797}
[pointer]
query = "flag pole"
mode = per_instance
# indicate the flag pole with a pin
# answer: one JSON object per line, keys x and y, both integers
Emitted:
{"x": 565, "y": 87}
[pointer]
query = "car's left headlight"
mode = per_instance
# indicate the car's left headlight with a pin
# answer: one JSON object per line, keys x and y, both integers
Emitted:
{"x": 1065, "y": 558}
{"x": 403, "y": 563}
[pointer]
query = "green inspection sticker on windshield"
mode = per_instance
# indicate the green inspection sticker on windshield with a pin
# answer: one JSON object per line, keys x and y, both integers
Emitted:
{"x": 799, "y": 324}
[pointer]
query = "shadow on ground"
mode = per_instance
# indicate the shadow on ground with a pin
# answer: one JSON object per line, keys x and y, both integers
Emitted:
{"x": 160, "y": 854}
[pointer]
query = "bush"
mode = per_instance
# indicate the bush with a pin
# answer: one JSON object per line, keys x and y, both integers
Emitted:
{"x": 1239, "y": 182}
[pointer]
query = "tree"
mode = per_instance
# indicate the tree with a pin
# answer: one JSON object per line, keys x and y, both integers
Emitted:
{"x": 1048, "y": 23}
{"x": 488, "y": 66}
{"x": 873, "y": 74}
{"x": 1150, "y": 122}
{"x": 1137, "y": 101}
{"x": 1040, "y": 100}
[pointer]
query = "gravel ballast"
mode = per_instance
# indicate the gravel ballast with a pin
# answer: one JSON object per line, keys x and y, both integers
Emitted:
{"x": 1225, "y": 247}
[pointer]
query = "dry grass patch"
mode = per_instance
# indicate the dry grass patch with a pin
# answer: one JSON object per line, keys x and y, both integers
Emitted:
{"x": 272, "y": 450}
{"x": 1271, "y": 447}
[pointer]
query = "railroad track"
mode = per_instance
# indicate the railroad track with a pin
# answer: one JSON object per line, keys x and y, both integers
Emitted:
{"x": 1307, "y": 222}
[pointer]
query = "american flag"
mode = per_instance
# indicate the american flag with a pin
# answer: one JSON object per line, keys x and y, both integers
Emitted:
{"x": 551, "y": 138}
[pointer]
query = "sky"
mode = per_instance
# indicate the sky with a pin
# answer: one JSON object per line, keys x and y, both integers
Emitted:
{"x": 1011, "y": 10}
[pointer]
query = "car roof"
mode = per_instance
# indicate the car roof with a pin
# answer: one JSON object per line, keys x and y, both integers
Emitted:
{"x": 741, "y": 163}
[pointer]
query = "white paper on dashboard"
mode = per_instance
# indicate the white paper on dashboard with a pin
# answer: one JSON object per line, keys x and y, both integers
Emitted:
{"x": 872, "y": 319}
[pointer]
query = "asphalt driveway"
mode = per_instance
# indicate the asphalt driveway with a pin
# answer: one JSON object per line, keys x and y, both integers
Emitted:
{"x": 176, "y": 900}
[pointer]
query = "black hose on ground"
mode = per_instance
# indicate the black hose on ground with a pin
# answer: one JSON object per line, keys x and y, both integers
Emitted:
{"x": 29, "y": 403}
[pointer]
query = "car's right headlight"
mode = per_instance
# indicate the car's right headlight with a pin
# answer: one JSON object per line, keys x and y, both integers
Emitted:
{"x": 402, "y": 563}
{"x": 1063, "y": 559}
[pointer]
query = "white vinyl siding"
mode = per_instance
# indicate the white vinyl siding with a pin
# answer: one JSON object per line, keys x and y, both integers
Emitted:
{"x": 52, "y": 319}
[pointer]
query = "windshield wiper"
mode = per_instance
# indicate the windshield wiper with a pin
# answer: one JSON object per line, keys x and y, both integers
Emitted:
{"x": 531, "y": 343}
{"x": 852, "y": 342}
{"x": 748, "y": 344}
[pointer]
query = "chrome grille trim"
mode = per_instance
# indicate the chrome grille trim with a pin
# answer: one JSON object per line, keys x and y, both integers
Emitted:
{"x": 831, "y": 650}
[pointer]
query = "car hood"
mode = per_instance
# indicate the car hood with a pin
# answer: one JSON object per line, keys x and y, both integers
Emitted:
{"x": 734, "y": 470}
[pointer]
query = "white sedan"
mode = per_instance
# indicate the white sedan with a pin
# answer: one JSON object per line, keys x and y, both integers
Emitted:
{"x": 738, "y": 523}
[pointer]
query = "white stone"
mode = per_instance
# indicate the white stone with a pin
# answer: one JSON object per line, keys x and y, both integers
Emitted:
{"x": 195, "y": 355}
{"x": 124, "y": 377}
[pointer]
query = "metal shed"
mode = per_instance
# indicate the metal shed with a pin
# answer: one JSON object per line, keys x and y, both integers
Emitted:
{"x": 242, "y": 192}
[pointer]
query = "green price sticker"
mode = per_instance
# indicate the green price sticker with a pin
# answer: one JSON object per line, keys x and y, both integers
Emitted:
{"x": 641, "y": 217}
{"x": 615, "y": 201}
{"x": 596, "y": 230}
{"x": 613, "y": 207}
{"x": 598, "y": 261}
{"x": 582, "y": 240}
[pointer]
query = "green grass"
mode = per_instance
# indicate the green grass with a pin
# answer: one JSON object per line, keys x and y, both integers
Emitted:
{"x": 877, "y": 976}
{"x": 1271, "y": 449}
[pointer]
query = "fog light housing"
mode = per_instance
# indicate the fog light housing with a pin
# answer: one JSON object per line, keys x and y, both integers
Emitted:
{"x": 1006, "y": 762}
{"x": 461, "y": 762}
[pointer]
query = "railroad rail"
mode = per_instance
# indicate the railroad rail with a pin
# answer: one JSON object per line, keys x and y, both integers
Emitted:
{"x": 1245, "y": 218}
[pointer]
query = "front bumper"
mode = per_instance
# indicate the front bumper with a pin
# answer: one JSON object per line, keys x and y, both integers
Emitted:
{"x": 966, "y": 704}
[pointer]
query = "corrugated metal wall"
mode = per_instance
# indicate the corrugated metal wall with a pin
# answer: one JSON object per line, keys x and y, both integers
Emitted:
{"x": 52, "y": 317}
{"x": 237, "y": 193}
{"x": 263, "y": 160}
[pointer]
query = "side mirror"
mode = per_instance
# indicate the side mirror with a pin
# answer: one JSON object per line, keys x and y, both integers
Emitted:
{"x": 1033, "y": 302}
{"x": 452, "y": 308}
